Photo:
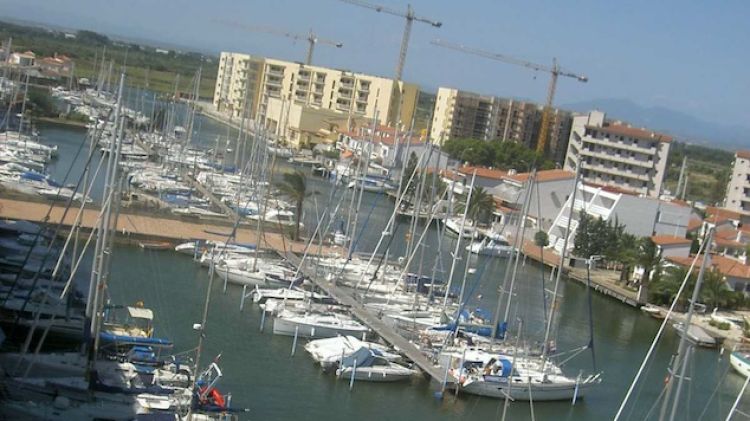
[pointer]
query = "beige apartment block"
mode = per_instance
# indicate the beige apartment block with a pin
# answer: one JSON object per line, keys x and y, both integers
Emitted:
{"x": 618, "y": 155}
{"x": 461, "y": 114}
{"x": 237, "y": 83}
{"x": 326, "y": 92}
{"x": 354, "y": 94}
{"x": 738, "y": 188}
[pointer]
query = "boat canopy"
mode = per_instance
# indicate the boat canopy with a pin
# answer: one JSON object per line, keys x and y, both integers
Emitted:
{"x": 140, "y": 313}
{"x": 364, "y": 357}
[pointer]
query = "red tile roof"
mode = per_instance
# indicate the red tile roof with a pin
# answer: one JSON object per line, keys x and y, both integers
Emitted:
{"x": 625, "y": 130}
{"x": 727, "y": 267}
{"x": 716, "y": 215}
{"x": 484, "y": 172}
{"x": 543, "y": 176}
{"x": 743, "y": 154}
{"x": 670, "y": 240}
{"x": 694, "y": 223}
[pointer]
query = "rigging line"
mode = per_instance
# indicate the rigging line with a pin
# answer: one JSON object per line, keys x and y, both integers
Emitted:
{"x": 44, "y": 260}
{"x": 45, "y": 221}
{"x": 659, "y": 333}
{"x": 719, "y": 383}
{"x": 391, "y": 221}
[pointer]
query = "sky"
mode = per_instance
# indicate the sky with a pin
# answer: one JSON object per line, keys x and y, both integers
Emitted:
{"x": 690, "y": 56}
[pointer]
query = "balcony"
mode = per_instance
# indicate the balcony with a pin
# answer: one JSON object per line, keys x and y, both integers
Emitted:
{"x": 617, "y": 158}
{"x": 620, "y": 145}
{"x": 364, "y": 86}
{"x": 618, "y": 172}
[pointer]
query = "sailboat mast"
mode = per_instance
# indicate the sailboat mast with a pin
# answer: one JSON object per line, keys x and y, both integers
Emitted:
{"x": 680, "y": 360}
{"x": 458, "y": 241}
{"x": 561, "y": 264}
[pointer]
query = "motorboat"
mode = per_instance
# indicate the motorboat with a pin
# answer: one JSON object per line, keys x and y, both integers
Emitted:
{"x": 328, "y": 351}
{"x": 740, "y": 361}
{"x": 696, "y": 335}
{"x": 454, "y": 226}
{"x": 365, "y": 364}
{"x": 496, "y": 246}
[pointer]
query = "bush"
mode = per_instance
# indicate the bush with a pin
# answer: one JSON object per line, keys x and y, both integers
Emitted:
{"x": 719, "y": 325}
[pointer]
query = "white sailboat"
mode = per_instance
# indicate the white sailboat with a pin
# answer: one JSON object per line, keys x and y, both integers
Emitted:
{"x": 316, "y": 325}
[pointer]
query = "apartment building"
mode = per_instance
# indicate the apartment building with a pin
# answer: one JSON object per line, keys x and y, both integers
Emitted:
{"x": 461, "y": 114}
{"x": 618, "y": 155}
{"x": 276, "y": 89}
{"x": 738, "y": 190}
{"x": 238, "y": 83}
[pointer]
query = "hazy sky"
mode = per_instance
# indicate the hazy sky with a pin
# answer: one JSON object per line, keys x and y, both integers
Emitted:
{"x": 692, "y": 56}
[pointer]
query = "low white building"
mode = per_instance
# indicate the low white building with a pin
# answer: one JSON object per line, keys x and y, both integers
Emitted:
{"x": 672, "y": 246}
{"x": 641, "y": 216}
{"x": 551, "y": 190}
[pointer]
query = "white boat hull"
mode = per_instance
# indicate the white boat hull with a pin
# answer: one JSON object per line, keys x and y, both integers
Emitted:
{"x": 521, "y": 390}
{"x": 392, "y": 373}
{"x": 285, "y": 327}
{"x": 740, "y": 362}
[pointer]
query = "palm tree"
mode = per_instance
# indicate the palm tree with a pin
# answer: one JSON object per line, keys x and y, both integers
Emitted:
{"x": 294, "y": 187}
{"x": 648, "y": 258}
{"x": 715, "y": 291}
{"x": 481, "y": 205}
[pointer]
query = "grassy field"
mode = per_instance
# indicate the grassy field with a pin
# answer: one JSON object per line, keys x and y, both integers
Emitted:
{"x": 139, "y": 61}
{"x": 708, "y": 171}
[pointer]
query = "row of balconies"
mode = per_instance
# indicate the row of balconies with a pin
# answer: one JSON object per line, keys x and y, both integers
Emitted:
{"x": 621, "y": 145}
{"x": 618, "y": 158}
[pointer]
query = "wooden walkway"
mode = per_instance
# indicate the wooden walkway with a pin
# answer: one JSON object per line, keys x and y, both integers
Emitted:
{"x": 602, "y": 281}
{"x": 208, "y": 195}
{"x": 140, "y": 226}
{"x": 386, "y": 332}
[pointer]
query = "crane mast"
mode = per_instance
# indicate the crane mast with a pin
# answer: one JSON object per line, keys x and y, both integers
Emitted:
{"x": 410, "y": 17}
{"x": 555, "y": 72}
{"x": 311, "y": 38}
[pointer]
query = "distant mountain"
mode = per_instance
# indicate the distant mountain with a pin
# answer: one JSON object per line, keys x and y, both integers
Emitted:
{"x": 683, "y": 126}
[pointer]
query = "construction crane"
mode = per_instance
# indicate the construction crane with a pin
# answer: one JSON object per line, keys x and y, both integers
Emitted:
{"x": 555, "y": 71}
{"x": 310, "y": 37}
{"x": 410, "y": 18}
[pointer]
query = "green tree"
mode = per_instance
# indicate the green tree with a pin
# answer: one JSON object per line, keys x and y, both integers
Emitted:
{"x": 541, "y": 239}
{"x": 648, "y": 258}
{"x": 294, "y": 187}
{"x": 714, "y": 291}
{"x": 481, "y": 205}
{"x": 411, "y": 166}
{"x": 582, "y": 242}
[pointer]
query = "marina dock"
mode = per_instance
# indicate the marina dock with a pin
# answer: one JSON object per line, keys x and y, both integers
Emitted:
{"x": 138, "y": 226}
{"x": 387, "y": 333}
{"x": 602, "y": 281}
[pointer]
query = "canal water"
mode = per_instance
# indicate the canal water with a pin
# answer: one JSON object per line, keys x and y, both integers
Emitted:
{"x": 262, "y": 375}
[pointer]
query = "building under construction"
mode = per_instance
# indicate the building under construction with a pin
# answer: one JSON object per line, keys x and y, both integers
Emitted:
{"x": 462, "y": 114}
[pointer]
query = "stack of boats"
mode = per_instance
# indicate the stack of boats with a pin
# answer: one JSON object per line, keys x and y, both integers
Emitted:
{"x": 130, "y": 373}
{"x": 23, "y": 162}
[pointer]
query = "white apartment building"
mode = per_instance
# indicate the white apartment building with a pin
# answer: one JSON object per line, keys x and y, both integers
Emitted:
{"x": 641, "y": 216}
{"x": 738, "y": 189}
{"x": 238, "y": 82}
{"x": 278, "y": 89}
{"x": 618, "y": 155}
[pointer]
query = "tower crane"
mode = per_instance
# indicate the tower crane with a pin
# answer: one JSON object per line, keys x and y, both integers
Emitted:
{"x": 311, "y": 38}
{"x": 555, "y": 71}
{"x": 410, "y": 18}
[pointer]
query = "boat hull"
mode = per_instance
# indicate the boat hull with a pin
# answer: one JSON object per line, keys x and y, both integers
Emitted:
{"x": 537, "y": 391}
{"x": 740, "y": 362}
{"x": 285, "y": 327}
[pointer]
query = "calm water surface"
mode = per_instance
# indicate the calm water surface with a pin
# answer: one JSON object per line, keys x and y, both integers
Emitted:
{"x": 262, "y": 376}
